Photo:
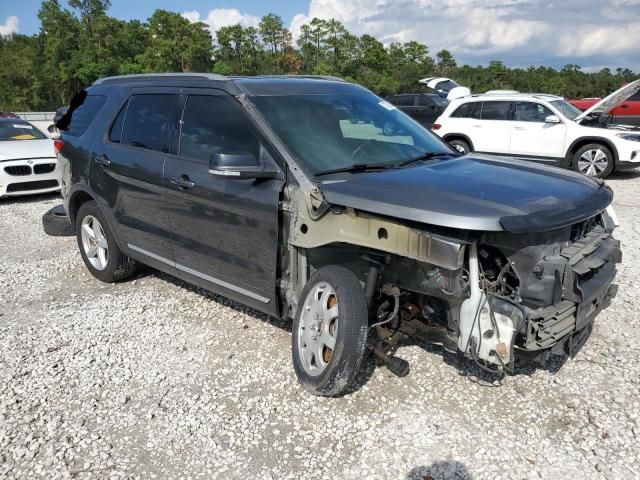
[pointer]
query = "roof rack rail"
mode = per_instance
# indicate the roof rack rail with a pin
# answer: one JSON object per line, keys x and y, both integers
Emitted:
{"x": 311, "y": 77}
{"x": 158, "y": 76}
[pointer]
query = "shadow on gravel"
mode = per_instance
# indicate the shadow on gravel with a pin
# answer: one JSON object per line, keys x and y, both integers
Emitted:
{"x": 442, "y": 470}
{"x": 624, "y": 175}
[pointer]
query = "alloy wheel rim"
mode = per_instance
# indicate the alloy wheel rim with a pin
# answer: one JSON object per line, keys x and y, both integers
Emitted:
{"x": 94, "y": 242}
{"x": 593, "y": 162}
{"x": 318, "y": 328}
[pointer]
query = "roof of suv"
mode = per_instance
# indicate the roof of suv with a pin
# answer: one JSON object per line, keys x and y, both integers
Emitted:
{"x": 256, "y": 85}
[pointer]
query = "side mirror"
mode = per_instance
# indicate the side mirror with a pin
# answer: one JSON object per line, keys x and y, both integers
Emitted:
{"x": 238, "y": 165}
{"x": 552, "y": 119}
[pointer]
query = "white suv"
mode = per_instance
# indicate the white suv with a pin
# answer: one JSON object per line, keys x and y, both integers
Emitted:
{"x": 543, "y": 128}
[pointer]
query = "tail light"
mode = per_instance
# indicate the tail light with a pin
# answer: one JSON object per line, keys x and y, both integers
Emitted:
{"x": 57, "y": 145}
{"x": 436, "y": 126}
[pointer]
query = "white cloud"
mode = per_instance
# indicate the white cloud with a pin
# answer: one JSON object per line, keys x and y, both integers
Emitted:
{"x": 521, "y": 32}
{"x": 223, "y": 17}
{"x": 11, "y": 25}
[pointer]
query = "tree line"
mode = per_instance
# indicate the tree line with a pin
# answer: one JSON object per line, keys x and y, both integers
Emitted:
{"x": 75, "y": 47}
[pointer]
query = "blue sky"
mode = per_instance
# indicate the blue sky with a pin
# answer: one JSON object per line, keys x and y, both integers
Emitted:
{"x": 591, "y": 33}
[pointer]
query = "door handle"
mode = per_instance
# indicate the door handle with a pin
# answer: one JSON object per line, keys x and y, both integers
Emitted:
{"x": 182, "y": 182}
{"x": 103, "y": 159}
{"x": 624, "y": 105}
{"x": 519, "y": 128}
{"x": 477, "y": 126}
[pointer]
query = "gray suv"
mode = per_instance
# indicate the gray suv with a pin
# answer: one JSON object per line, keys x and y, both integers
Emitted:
{"x": 285, "y": 194}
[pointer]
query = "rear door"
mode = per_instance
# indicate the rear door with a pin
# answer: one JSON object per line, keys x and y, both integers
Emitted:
{"x": 224, "y": 229}
{"x": 127, "y": 171}
{"x": 531, "y": 136}
{"x": 492, "y": 131}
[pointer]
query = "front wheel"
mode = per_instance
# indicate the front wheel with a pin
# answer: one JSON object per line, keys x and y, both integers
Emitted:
{"x": 330, "y": 331}
{"x": 593, "y": 160}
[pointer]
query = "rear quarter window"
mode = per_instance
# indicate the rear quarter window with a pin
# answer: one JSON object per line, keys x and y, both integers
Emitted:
{"x": 467, "y": 110}
{"x": 84, "y": 115}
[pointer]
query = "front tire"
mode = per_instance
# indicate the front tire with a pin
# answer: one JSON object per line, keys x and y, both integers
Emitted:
{"x": 593, "y": 160}
{"x": 98, "y": 246}
{"x": 330, "y": 332}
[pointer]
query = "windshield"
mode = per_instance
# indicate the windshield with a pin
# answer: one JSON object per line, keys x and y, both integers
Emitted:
{"x": 566, "y": 109}
{"x": 19, "y": 130}
{"x": 333, "y": 131}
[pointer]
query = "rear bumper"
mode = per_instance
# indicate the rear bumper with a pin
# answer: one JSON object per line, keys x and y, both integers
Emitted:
{"x": 28, "y": 177}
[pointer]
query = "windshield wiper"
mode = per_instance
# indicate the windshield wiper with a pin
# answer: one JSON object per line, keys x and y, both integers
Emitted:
{"x": 427, "y": 156}
{"x": 356, "y": 167}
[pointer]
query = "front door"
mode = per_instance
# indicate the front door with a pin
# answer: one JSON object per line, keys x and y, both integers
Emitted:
{"x": 127, "y": 171}
{"x": 224, "y": 229}
{"x": 531, "y": 136}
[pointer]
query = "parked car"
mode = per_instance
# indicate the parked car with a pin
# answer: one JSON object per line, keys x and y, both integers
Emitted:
{"x": 543, "y": 128}
{"x": 28, "y": 162}
{"x": 422, "y": 107}
{"x": 281, "y": 193}
{"x": 626, "y": 113}
{"x": 445, "y": 87}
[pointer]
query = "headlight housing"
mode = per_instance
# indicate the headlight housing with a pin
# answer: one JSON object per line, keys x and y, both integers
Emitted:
{"x": 632, "y": 137}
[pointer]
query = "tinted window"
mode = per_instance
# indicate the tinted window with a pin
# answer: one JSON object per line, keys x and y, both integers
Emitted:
{"x": 467, "y": 110}
{"x": 152, "y": 122}
{"x": 530, "y": 112}
{"x": 115, "y": 134}
{"x": 395, "y": 100}
{"x": 84, "y": 115}
{"x": 408, "y": 100}
{"x": 495, "y": 110}
{"x": 424, "y": 100}
{"x": 635, "y": 97}
{"x": 213, "y": 124}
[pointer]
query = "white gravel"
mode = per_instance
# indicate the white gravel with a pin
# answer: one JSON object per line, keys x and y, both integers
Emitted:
{"x": 153, "y": 378}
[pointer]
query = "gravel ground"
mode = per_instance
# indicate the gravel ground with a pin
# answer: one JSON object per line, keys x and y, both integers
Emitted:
{"x": 153, "y": 378}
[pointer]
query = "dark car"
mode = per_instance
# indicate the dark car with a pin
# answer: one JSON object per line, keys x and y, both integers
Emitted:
{"x": 283, "y": 194}
{"x": 422, "y": 107}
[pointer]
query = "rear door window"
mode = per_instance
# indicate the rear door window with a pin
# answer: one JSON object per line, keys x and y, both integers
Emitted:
{"x": 495, "y": 110}
{"x": 152, "y": 122}
{"x": 115, "y": 133}
{"x": 467, "y": 110}
{"x": 211, "y": 123}
{"x": 83, "y": 116}
{"x": 424, "y": 101}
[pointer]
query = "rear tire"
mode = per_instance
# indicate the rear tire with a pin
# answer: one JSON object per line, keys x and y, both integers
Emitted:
{"x": 98, "y": 246}
{"x": 330, "y": 332}
{"x": 593, "y": 160}
{"x": 460, "y": 145}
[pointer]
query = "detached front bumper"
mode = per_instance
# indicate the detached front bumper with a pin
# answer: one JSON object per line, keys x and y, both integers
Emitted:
{"x": 29, "y": 176}
{"x": 585, "y": 287}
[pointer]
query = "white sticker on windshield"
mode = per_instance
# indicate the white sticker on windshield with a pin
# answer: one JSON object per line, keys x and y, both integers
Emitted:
{"x": 20, "y": 125}
{"x": 387, "y": 105}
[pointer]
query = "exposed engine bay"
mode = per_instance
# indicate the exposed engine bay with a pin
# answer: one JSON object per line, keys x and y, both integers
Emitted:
{"x": 494, "y": 297}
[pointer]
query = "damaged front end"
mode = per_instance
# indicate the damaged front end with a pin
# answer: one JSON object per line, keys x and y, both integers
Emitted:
{"x": 493, "y": 296}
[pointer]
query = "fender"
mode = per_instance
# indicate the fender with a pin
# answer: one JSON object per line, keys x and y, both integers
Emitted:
{"x": 569, "y": 155}
{"x": 81, "y": 188}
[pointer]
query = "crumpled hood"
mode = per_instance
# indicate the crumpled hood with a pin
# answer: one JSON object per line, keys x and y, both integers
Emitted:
{"x": 18, "y": 149}
{"x": 475, "y": 192}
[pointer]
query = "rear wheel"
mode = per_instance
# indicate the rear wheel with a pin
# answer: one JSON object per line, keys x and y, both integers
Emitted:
{"x": 593, "y": 160}
{"x": 98, "y": 246}
{"x": 330, "y": 331}
{"x": 460, "y": 145}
